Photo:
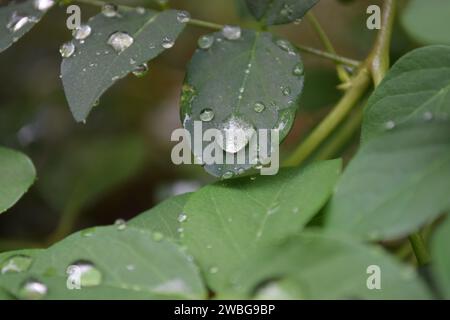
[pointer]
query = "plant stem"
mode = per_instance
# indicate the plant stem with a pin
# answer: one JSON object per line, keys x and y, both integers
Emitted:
{"x": 333, "y": 57}
{"x": 342, "y": 73}
{"x": 420, "y": 249}
{"x": 205, "y": 24}
{"x": 360, "y": 84}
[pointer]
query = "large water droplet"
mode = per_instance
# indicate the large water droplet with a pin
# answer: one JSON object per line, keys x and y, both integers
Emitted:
{"x": 206, "y": 115}
{"x": 110, "y": 10}
{"x": 87, "y": 272}
{"x": 389, "y": 125}
{"x": 141, "y": 70}
{"x": 259, "y": 107}
{"x": 227, "y": 175}
{"x": 120, "y": 224}
{"x": 231, "y": 32}
{"x": 82, "y": 32}
{"x": 17, "y": 21}
{"x": 16, "y": 263}
{"x": 285, "y": 46}
{"x": 205, "y": 42}
{"x": 236, "y": 134}
{"x": 182, "y": 217}
{"x": 120, "y": 41}
{"x": 43, "y": 5}
{"x": 32, "y": 290}
{"x": 167, "y": 43}
{"x": 67, "y": 49}
{"x": 183, "y": 17}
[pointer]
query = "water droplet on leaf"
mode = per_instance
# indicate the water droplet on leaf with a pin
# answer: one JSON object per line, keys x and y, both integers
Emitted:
{"x": 89, "y": 275}
{"x": 182, "y": 217}
{"x": 120, "y": 224}
{"x": 16, "y": 263}
{"x": 231, "y": 32}
{"x": 67, "y": 49}
{"x": 110, "y": 10}
{"x": 205, "y": 42}
{"x": 32, "y": 289}
{"x": 259, "y": 107}
{"x": 183, "y": 17}
{"x": 17, "y": 22}
{"x": 141, "y": 70}
{"x": 43, "y": 5}
{"x": 167, "y": 43}
{"x": 236, "y": 134}
{"x": 82, "y": 32}
{"x": 206, "y": 115}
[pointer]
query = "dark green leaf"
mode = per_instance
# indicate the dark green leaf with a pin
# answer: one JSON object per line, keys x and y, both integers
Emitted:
{"x": 17, "y": 174}
{"x": 229, "y": 220}
{"x": 280, "y": 11}
{"x": 128, "y": 264}
{"x": 318, "y": 266}
{"x": 17, "y": 18}
{"x": 233, "y": 77}
{"x": 427, "y": 21}
{"x": 164, "y": 218}
{"x": 441, "y": 258}
{"x": 415, "y": 89}
{"x": 95, "y": 66}
{"x": 395, "y": 184}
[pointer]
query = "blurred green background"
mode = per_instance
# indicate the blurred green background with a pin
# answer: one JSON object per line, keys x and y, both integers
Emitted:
{"x": 118, "y": 163}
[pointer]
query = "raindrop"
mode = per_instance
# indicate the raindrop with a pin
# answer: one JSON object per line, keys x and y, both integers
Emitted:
{"x": 141, "y": 70}
{"x": 130, "y": 267}
{"x": 231, "y": 32}
{"x": 182, "y": 217}
{"x": 259, "y": 107}
{"x": 427, "y": 116}
{"x": 389, "y": 125}
{"x": 89, "y": 275}
{"x": 43, "y": 5}
{"x": 88, "y": 232}
{"x": 298, "y": 70}
{"x": 227, "y": 175}
{"x": 158, "y": 236}
{"x": 32, "y": 290}
{"x": 67, "y": 49}
{"x": 120, "y": 41}
{"x": 16, "y": 263}
{"x": 120, "y": 224}
{"x": 253, "y": 178}
{"x": 180, "y": 230}
{"x": 140, "y": 10}
{"x": 206, "y": 115}
{"x": 110, "y": 10}
{"x": 241, "y": 171}
{"x": 17, "y": 22}
{"x": 82, "y": 32}
{"x": 115, "y": 78}
{"x": 286, "y": 91}
{"x": 213, "y": 270}
{"x": 236, "y": 134}
{"x": 287, "y": 11}
{"x": 167, "y": 43}
{"x": 205, "y": 42}
{"x": 183, "y": 17}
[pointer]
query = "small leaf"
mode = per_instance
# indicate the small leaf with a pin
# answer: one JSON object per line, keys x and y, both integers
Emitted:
{"x": 128, "y": 264}
{"x": 163, "y": 219}
{"x": 395, "y": 184}
{"x": 427, "y": 21}
{"x": 319, "y": 266}
{"x": 17, "y": 174}
{"x": 229, "y": 220}
{"x": 18, "y": 17}
{"x": 280, "y": 11}
{"x": 253, "y": 82}
{"x": 415, "y": 89}
{"x": 441, "y": 258}
{"x": 96, "y": 65}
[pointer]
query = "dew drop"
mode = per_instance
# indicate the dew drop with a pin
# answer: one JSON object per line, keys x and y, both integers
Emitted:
{"x": 43, "y": 5}
{"x": 182, "y": 217}
{"x": 236, "y": 133}
{"x": 16, "y": 263}
{"x": 158, "y": 236}
{"x": 259, "y": 107}
{"x": 287, "y": 11}
{"x": 227, "y": 175}
{"x": 110, "y": 10}
{"x": 120, "y": 224}
{"x": 231, "y": 32}
{"x": 87, "y": 272}
{"x": 167, "y": 43}
{"x": 17, "y": 22}
{"x": 82, "y": 32}
{"x": 205, "y": 42}
{"x": 140, "y": 10}
{"x": 141, "y": 70}
{"x": 120, "y": 41}
{"x": 298, "y": 70}
{"x": 286, "y": 91}
{"x": 130, "y": 267}
{"x": 285, "y": 46}
{"x": 206, "y": 115}
{"x": 389, "y": 125}
{"x": 183, "y": 17}
{"x": 427, "y": 116}
{"x": 67, "y": 49}
{"x": 213, "y": 270}
{"x": 180, "y": 230}
{"x": 32, "y": 289}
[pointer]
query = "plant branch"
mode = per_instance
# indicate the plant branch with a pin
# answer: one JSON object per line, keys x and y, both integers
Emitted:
{"x": 333, "y": 57}
{"x": 342, "y": 73}
{"x": 420, "y": 249}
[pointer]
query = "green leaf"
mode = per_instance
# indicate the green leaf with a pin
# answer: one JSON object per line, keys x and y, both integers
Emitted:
{"x": 441, "y": 258}
{"x": 16, "y": 19}
{"x": 128, "y": 264}
{"x": 318, "y": 266}
{"x": 164, "y": 218}
{"x": 280, "y": 11}
{"x": 17, "y": 174}
{"x": 229, "y": 220}
{"x": 415, "y": 89}
{"x": 427, "y": 21}
{"x": 232, "y": 78}
{"x": 95, "y": 66}
{"x": 395, "y": 184}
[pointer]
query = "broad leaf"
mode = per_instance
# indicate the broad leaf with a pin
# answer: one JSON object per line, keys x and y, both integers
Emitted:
{"x": 427, "y": 21}
{"x": 229, "y": 220}
{"x": 253, "y": 82}
{"x": 95, "y": 65}
{"x": 395, "y": 184}
{"x": 17, "y": 174}
{"x": 441, "y": 258}
{"x": 18, "y": 17}
{"x": 124, "y": 264}
{"x": 164, "y": 219}
{"x": 280, "y": 11}
{"x": 317, "y": 266}
{"x": 415, "y": 89}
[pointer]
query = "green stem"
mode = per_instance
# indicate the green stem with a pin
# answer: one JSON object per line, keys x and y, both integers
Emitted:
{"x": 420, "y": 249}
{"x": 205, "y": 24}
{"x": 342, "y": 73}
{"x": 333, "y": 57}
